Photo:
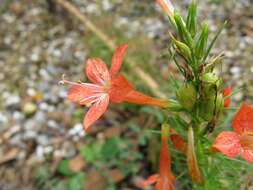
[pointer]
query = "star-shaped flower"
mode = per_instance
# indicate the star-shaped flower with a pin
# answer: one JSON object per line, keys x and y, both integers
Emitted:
{"x": 107, "y": 86}
{"x": 241, "y": 141}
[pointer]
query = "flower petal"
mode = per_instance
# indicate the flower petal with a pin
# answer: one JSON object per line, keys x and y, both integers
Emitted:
{"x": 167, "y": 6}
{"x": 243, "y": 120}
{"x": 177, "y": 141}
{"x": 151, "y": 179}
{"x": 227, "y": 92}
{"x": 120, "y": 88}
{"x": 97, "y": 71}
{"x": 84, "y": 93}
{"x": 227, "y": 143}
{"x": 164, "y": 184}
{"x": 96, "y": 111}
{"x": 248, "y": 155}
{"x": 140, "y": 98}
{"x": 117, "y": 59}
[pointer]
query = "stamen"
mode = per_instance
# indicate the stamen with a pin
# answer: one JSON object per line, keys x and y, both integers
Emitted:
{"x": 61, "y": 82}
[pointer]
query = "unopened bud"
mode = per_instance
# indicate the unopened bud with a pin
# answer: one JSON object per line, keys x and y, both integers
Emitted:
{"x": 211, "y": 83}
{"x": 182, "y": 47}
{"x": 211, "y": 107}
{"x": 187, "y": 95}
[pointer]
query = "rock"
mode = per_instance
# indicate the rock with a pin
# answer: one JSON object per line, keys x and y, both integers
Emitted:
{"x": 11, "y": 99}
{"x": 29, "y": 108}
{"x": 3, "y": 119}
{"x": 77, "y": 130}
{"x": 18, "y": 116}
{"x": 42, "y": 140}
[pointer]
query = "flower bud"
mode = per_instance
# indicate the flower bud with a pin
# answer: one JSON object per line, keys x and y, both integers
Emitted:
{"x": 210, "y": 107}
{"x": 187, "y": 95}
{"x": 184, "y": 49}
{"x": 167, "y": 6}
{"x": 210, "y": 83}
{"x": 192, "y": 162}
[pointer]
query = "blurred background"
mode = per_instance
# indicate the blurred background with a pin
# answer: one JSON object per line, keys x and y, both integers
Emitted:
{"x": 42, "y": 143}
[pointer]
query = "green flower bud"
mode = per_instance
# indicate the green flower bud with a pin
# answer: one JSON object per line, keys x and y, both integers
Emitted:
{"x": 210, "y": 83}
{"x": 208, "y": 108}
{"x": 182, "y": 47}
{"x": 187, "y": 95}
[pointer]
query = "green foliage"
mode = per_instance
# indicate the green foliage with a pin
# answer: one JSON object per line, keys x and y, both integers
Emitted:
{"x": 191, "y": 23}
{"x": 153, "y": 111}
{"x": 75, "y": 182}
{"x": 63, "y": 168}
{"x": 45, "y": 180}
{"x": 115, "y": 152}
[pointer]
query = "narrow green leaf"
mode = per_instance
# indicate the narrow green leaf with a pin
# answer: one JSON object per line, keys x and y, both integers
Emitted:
{"x": 214, "y": 40}
{"x": 235, "y": 92}
{"x": 172, "y": 22}
{"x": 202, "y": 41}
{"x": 178, "y": 66}
{"x": 236, "y": 160}
{"x": 191, "y": 23}
{"x": 182, "y": 30}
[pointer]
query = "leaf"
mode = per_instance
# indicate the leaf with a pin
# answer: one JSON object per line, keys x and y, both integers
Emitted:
{"x": 64, "y": 169}
{"x": 76, "y": 182}
{"x": 191, "y": 22}
{"x": 182, "y": 30}
{"x": 88, "y": 153}
{"x": 77, "y": 163}
{"x": 214, "y": 40}
{"x": 150, "y": 110}
{"x": 134, "y": 127}
{"x": 201, "y": 43}
{"x": 111, "y": 148}
{"x": 183, "y": 48}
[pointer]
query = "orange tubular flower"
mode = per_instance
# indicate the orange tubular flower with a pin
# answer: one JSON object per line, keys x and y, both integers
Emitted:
{"x": 227, "y": 92}
{"x": 107, "y": 85}
{"x": 165, "y": 179}
{"x": 177, "y": 141}
{"x": 241, "y": 141}
{"x": 192, "y": 163}
{"x": 167, "y": 6}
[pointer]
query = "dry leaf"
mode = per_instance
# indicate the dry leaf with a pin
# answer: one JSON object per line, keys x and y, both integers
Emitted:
{"x": 77, "y": 164}
{"x": 94, "y": 181}
{"x": 11, "y": 155}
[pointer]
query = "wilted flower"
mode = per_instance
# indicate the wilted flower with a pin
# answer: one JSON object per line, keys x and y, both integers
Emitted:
{"x": 192, "y": 162}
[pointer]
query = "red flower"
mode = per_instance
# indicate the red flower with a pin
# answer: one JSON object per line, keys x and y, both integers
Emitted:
{"x": 165, "y": 179}
{"x": 227, "y": 92}
{"x": 107, "y": 85}
{"x": 167, "y": 6}
{"x": 177, "y": 141}
{"x": 240, "y": 141}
